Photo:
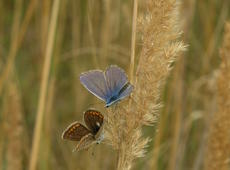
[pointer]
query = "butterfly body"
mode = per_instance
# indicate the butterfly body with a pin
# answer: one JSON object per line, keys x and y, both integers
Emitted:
{"x": 86, "y": 135}
{"x": 117, "y": 96}
{"x": 110, "y": 86}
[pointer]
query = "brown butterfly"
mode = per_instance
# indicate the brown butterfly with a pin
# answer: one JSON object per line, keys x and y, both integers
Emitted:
{"x": 86, "y": 135}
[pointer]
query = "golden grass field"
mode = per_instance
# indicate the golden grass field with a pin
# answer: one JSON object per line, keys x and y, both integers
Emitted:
{"x": 175, "y": 53}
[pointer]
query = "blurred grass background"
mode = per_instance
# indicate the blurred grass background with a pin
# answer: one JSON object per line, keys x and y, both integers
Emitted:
{"x": 94, "y": 34}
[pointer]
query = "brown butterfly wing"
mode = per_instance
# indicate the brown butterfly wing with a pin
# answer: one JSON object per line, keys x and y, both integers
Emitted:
{"x": 93, "y": 120}
{"x": 75, "y": 132}
{"x": 85, "y": 142}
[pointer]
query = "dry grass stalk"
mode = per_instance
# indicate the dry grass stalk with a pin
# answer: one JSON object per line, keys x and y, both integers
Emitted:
{"x": 106, "y": 32}
{"x": 178, "y": 104}
{"x": 75, "y": 45}
{"x": 13, "y": 127}
{"x": 44, "y": 23}
{"x": 12, "y": 111}
{"x": 176, "y": 97}
{"x": 91, "y": 33}
{"x": 44, "y": 83}
{"x": 218, "y": 152}
{"x": 49, "y": 110}
{"x": 160, "y": 47}
{"x": 133, "y": 41}
{"x": 16, "y": 42}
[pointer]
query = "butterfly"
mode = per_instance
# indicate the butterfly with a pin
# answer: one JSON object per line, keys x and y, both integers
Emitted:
{"x": 86, "y": 135}
{"x": 110, "y": 86}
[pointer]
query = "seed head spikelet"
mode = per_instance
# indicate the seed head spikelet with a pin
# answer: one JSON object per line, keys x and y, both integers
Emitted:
{"x": 218, "y": 143}
{"x": 160, "y": 31}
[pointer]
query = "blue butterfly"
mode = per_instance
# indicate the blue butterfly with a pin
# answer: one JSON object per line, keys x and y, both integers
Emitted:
{"x": 110, "y": 86}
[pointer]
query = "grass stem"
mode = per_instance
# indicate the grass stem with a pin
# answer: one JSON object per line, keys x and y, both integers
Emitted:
{"x": 133, "y": 41}
{"x": 15, "y": 44}
{"x": 44, "y": 83}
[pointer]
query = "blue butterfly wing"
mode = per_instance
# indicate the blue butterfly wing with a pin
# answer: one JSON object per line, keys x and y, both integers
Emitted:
{"x": 126, "y": 92}
{"x": 115, "y": 79}
{"x": 94, "y": 81}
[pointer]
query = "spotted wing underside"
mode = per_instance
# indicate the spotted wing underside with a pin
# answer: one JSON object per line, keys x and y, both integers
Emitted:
{"x": 76, "y": 131}
{"x": 93, "y": 120}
